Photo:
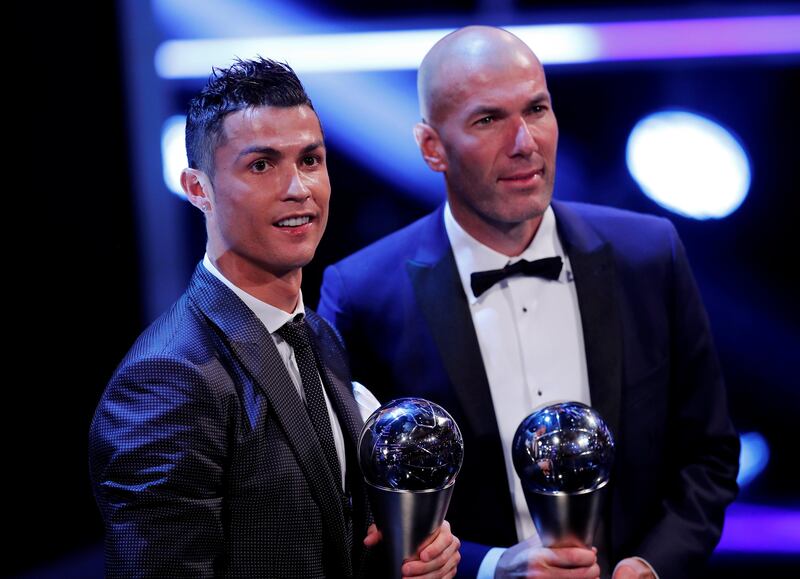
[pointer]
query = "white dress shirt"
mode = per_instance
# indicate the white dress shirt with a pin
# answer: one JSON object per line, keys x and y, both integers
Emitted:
{"x": 530, "y": 337}
{"x": 273, "y": 319}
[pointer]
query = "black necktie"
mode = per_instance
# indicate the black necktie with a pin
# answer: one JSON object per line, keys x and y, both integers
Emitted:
{"x": 295, "y": 332}
{"x": 548, "y": 268}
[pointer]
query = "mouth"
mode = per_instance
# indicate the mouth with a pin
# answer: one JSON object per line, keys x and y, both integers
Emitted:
{"x": 292, "y": 222}
{"x": 523, "y": 177}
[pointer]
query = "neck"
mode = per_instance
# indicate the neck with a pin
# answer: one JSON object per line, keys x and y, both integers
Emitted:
{"x": 510, "y": 239}
{"x": 281, "y": 290}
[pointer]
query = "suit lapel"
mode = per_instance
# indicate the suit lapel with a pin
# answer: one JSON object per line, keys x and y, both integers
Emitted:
{"x": 593, "y": 269}
{"x": 256, "y": 351}
{"x": 438, "y": 289}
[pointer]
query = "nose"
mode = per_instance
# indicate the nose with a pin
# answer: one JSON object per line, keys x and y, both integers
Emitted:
{"x": 524, "y": 141}
{"x": 298, "y": 189}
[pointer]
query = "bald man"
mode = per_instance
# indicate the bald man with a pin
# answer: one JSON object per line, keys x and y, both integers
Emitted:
{"x": 611, "y": 317}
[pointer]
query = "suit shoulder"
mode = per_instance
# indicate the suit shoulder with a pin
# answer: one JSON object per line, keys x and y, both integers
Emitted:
{"x": 177, "y": 328}
{"x": 178, "y": 337}
{"x": 395, "y": 248}
{"x": 613, "y": 216}
{"x": 621, "y": 226}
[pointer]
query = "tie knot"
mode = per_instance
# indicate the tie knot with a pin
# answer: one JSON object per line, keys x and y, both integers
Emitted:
{"x": 295, "y": 332}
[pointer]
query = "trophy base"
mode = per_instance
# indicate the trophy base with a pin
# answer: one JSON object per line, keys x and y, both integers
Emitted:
{"x": 406, "y": 519}
{"x": 566, "y": 519}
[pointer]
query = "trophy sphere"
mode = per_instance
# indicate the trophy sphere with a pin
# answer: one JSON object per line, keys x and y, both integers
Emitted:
{"x": 564, "y": 448}
{"x": 410, "y": 444}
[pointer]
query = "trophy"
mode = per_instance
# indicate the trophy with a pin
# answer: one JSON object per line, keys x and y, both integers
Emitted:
{"x": 563, "y": 455}
{"x": 410, "y": 451}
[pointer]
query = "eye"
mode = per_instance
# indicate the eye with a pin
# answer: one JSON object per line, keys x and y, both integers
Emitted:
{"x": 311, "y": 160}
{"x": 259, "y": 166}
{"x": 487, "y": 120}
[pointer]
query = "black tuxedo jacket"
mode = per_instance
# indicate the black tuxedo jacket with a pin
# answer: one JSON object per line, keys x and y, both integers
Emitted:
{"x": 653, "y": 375}
{"x": 200, "y": 456}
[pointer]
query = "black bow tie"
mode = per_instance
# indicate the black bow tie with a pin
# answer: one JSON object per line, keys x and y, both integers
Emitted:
{"x": 548, "y": 268}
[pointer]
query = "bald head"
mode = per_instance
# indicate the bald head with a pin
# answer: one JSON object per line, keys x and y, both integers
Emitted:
{"x": 461, "y": 54}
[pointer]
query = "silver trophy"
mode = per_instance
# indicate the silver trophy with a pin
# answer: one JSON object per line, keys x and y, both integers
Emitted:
{"x": 410, "y": 452}
{"x": 563, "y": 455}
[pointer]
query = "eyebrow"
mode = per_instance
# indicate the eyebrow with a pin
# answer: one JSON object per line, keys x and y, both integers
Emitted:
{"x": 272, "y": 153}
{"x": 485, "y": 110}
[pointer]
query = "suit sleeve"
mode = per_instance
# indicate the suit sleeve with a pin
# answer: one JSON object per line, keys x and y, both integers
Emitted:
{"x": 157, "y": 448}
{"x": 704, "y": 446}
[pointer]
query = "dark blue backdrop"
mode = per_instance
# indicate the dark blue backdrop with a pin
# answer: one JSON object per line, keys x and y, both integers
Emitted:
{"x": 116, "y": 247}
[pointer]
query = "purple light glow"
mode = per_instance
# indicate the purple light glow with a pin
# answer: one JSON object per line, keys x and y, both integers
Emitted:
{"x": 698, "y": 38}
{"x": 760, "y": 529}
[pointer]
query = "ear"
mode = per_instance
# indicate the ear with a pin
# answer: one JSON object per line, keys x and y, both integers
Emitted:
{"x": 431, "y": 147}
{"x": 197, "y": 187}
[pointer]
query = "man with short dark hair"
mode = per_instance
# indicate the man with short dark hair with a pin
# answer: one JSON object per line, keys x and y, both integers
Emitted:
{"x": 606, "y": 312}
{"x": 225, "y": 442}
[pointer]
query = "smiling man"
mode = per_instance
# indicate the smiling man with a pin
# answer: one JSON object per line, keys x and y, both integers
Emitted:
{"x": 225, "y": 442}
{"x": 503, "y": 300}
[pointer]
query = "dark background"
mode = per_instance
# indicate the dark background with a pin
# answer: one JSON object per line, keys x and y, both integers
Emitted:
{"x": 67, "y": 92}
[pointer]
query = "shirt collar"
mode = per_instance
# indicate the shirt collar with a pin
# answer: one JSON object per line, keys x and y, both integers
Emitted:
{"x": 273, "y": 318}
{"x": 471, "y": 255}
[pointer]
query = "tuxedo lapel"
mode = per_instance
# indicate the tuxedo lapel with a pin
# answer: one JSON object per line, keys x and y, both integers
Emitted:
{"x": 593, "y": 269}
{"x": 255, "y": 350}
{"x": 438, "y": 289}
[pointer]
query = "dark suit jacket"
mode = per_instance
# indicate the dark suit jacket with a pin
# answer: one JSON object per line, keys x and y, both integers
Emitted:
{"x": 653, "y": 376}
{"x": 200, "y": 458}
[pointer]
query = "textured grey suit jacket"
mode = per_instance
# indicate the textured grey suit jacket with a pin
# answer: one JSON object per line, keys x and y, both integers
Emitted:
{"x": 200, "y": 454}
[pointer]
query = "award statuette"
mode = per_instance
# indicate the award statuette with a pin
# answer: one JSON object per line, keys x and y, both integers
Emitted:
{"x": 410, "y": 452}
{"x": 563, "y": 455}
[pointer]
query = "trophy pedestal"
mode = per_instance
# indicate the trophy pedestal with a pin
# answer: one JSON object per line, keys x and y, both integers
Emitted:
{"x": 566, "y": 519}
{"x": 406, "y": 518}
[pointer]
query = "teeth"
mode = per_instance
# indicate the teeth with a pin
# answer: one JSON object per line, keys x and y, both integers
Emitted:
{"x": 294, "y": 222}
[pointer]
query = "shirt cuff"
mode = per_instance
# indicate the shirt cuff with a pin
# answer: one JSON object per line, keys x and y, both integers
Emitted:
{"x": 649, "y": 566}
{"x": 367, "y": 403}
{"x": 489, "y": 563}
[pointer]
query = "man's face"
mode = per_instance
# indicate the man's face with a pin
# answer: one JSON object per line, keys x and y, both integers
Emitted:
{"x": 271, "y": 190}
{"x": 499, "y": 136}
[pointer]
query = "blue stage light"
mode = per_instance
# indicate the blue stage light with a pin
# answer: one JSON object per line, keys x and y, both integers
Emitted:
{"x": 753, "y": 457}
{"x": 173, "y": 152}
{"x": 359, "y": 51}
{"x": 554, "y": 44}
{"x": 762, "y": 529}
{"x": 688, "y": 164}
